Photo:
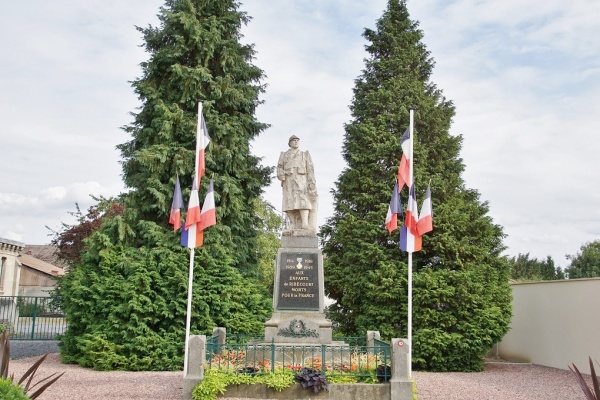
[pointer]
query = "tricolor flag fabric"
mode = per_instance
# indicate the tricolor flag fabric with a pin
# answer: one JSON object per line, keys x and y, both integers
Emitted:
{"x": 410, "y": 240}
{"x": 191, "y": 236}
{"x": 395, "y": 208}
{"x": 202, "y": 140}
{"x": 197, "y": 220}
{"x": 412, "y": 212}
{"x": 176, "y": 206}
{"x": 208, "y": 217}
{"x": 425, "y": 222}
{"x": 404, "y": 175}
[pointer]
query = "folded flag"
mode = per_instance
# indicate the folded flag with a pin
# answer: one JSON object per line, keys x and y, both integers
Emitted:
{"x": 191, "y": 236}
{"x": 409, "y": 242}
{"x": 202, "y": 140}
{"x": 176, "y": 206}
{"x": 412, "y": 212}
{"x": 208, "y": 217}
{"x": 395, "y": 208}
{"x": 425, "y": 222}
{"x": 404, "y": 168}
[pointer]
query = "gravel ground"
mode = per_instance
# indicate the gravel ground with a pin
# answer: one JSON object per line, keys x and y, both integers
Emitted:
{"x": 500, "y": 381}
{"x": 31, "y": 348}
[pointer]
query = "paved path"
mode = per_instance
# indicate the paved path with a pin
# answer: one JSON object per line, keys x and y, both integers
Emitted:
{"x": 500, "y": 381}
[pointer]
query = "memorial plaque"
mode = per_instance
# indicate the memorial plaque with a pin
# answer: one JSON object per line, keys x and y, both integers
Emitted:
{"x": 298, "y": 281}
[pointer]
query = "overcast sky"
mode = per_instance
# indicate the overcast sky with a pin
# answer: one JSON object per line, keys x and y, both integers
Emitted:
{"x": 524, "y": 77}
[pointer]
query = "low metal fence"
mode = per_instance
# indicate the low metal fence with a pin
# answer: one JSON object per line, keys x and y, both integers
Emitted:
{"x": 345, "y": 362}
{"x": 31, "y": 318}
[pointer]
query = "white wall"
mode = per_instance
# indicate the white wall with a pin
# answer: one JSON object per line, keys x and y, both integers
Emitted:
{"x": 555, "y": 323}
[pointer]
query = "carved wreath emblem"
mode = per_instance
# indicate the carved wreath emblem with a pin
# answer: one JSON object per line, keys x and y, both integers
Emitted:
{"x": 297, "y": 328}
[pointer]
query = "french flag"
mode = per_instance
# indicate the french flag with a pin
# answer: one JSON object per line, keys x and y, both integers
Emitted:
{"x": 425, "y": 222}
{"x": 412, "y": 212}
{"x": 395, "y": 208}
{"x": 191, "y": 236}
{"x": 202, "y": 141}
{"x": 208, "y": 216}
{"x": 410, "y": 240}
{"x": 404, "y": 168}
{"x": 176, "y": 206}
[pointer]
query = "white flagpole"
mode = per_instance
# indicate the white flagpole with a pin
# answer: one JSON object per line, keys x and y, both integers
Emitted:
{"x": 412, "y": 156}
{"x": 188, "y": 318}
{"x": 192, "y": 250}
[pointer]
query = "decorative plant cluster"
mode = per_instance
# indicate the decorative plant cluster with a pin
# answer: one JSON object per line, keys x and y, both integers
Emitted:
{"x": 589, "y": 395}
{"x": 237, "y": 367}
{"x": 347, "y": 368}
{"x": 7, "y": 385}
{"x": 312, "y": 379}
{"x": 216, "y": 380}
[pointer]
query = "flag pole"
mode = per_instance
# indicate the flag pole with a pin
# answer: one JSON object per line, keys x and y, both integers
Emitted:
{"x": 189, "y": 313}
{"x": 410, "y": 343}
{"x": 188, "y": 317}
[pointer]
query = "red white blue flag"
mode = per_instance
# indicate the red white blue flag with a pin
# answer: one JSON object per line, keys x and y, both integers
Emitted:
{"x": 176, "y": 206}
{"x": 425, "y": 222}
{"x": 410, "y": 240}
{"x": 208, "y": 216}
{"x": 404, "y": 173}
{"x": 202, "y": 141}
{"x": 395, "y": 208}
{"x": 191, "y": 236}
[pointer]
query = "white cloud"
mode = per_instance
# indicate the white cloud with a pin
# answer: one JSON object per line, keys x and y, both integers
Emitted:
{"x": 524, "y": 77}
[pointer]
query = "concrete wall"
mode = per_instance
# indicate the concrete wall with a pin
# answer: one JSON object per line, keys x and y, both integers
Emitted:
{"x": 555, "y": 323}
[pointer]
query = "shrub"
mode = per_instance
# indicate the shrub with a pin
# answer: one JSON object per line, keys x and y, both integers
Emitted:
{"x": 10, "y": 391}
{"x": 27, "y": 378}
{"x": 312, "y": 379}
{"x": 215, "y": 382}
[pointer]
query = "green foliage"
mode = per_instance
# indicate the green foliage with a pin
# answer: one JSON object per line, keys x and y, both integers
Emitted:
{"x": 589, "y": 394}
{"x": 268, "y": 240}
{"x": 215, "y": 382}
{"x": 10, "y": 391}
{"x": 343, "y": 379}
{"x": 523, "y": 268}
{"x": 586, "y": 263}
{"x": 125, "y": 300}
{"x": 126, "y": 307}
{"x": 195, "y": 55}
{"x": 26, "y": 384}
{"x": 461, "y": 294}
{"x": 3, "y": 328}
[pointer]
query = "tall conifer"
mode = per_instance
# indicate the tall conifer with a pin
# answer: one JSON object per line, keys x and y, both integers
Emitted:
{"x": 461, "y": 303}
{"x": 126, "y": 302}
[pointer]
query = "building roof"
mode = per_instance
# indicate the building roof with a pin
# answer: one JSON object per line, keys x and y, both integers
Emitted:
{"x": 40, "y": 265}
{"x": 46, "y": 253}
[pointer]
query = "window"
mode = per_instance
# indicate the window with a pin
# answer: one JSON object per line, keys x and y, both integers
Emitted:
{"x": 2, "y": 272}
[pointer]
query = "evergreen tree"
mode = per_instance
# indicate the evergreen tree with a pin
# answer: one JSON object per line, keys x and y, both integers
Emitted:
{"x": 461, "y": 295}
{"x": 586, "y": 263}
{"x": 269, "y": 240}
{"x": 126, "y": 301}
{"x": 524, "y": 268}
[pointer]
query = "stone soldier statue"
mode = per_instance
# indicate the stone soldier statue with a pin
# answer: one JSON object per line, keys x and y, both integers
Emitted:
{"x": 296, "y": 172}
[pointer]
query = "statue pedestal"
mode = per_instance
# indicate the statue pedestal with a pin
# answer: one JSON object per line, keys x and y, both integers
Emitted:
{"x": 298, "y": 295}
